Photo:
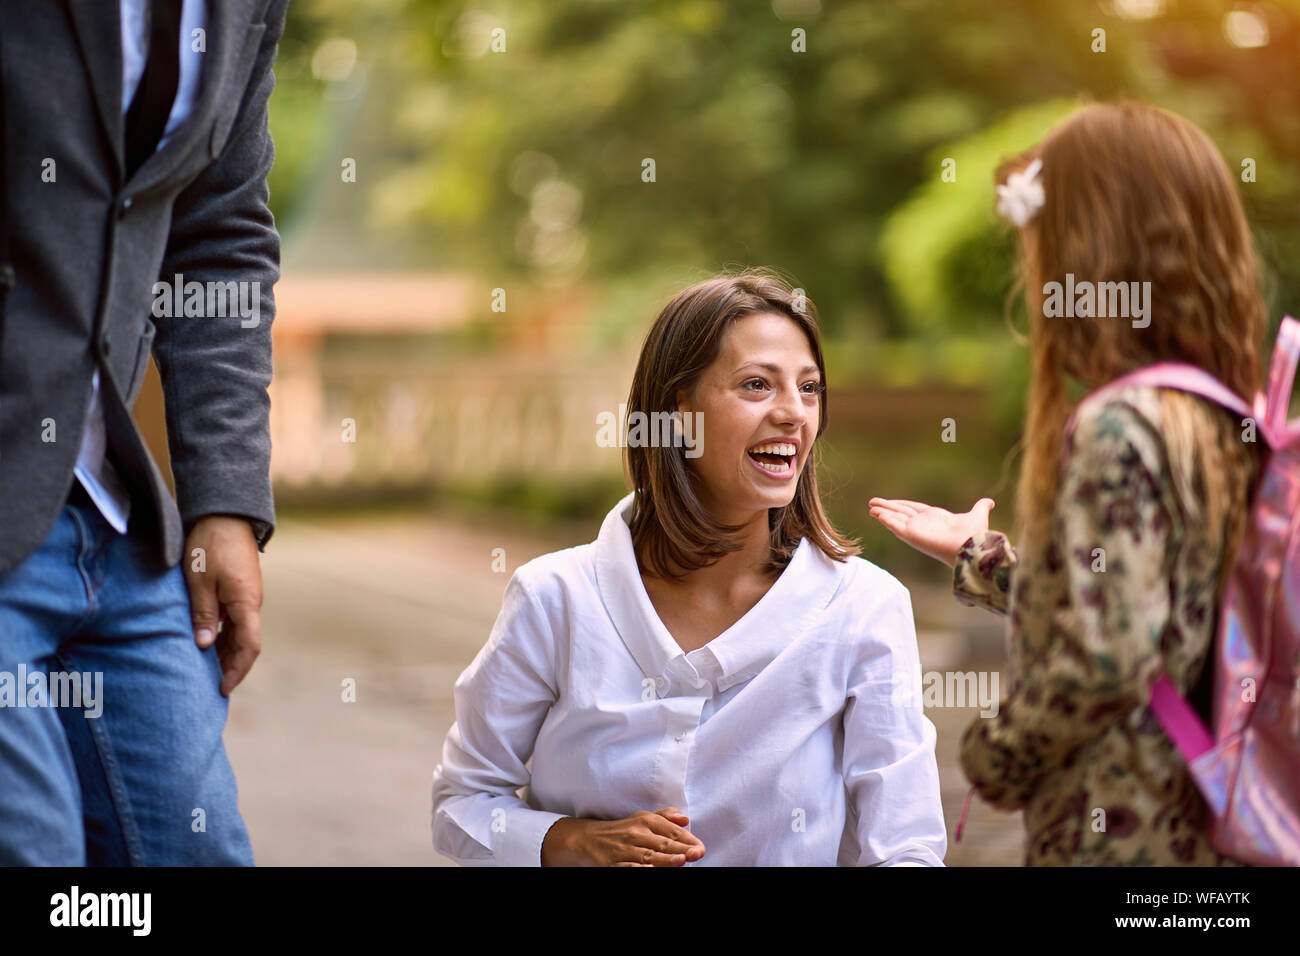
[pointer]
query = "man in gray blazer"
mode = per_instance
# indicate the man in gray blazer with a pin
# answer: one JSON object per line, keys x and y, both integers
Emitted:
{"x": 133, "y": 218}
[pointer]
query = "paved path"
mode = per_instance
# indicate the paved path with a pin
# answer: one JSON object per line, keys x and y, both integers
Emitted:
{"x": 400, "y": 606}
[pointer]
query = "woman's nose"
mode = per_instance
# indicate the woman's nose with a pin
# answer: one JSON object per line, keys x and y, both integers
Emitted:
{"x": 789, "y": 406}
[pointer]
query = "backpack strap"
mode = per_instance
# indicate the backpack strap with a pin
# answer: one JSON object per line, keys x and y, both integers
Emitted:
{"x": 1186, "y": 378}
{"x": 1270, "y": 408}
{"x": 1180, "y": 721}
{"x": 1281, "y": 376}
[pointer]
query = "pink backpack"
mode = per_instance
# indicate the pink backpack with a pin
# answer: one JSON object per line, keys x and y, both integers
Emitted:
{"x": 1248, "y": 766}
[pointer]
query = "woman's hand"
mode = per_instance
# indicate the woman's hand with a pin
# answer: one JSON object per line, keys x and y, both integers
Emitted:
{"x": 644, "y": 839}
{"x": 931, "y": 530}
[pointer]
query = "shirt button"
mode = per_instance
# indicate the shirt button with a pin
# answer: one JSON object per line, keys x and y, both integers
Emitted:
{"x": 681, "y": 737}
{"x": 125, "y": 207}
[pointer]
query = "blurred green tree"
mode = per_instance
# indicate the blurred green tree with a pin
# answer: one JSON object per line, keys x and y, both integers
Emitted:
{"x": 518, "y": 138}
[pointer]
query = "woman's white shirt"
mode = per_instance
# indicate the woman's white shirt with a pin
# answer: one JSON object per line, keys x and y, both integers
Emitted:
{"x": 792, "y": 738}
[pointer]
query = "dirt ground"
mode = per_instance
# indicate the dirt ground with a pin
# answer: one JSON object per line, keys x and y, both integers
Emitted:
{"x": 399, "y": 606}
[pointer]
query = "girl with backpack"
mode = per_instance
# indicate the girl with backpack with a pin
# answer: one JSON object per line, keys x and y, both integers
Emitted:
{"x": 1132, "y": 509}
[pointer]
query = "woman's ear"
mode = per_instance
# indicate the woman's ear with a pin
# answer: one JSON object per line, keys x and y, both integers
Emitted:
{"x": 683, "y": 399}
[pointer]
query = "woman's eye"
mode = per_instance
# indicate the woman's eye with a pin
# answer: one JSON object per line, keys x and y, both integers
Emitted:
{"x": 757, "y": 384}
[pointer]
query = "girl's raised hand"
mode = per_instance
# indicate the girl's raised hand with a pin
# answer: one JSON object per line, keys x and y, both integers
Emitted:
{"x": 931, "y": 530}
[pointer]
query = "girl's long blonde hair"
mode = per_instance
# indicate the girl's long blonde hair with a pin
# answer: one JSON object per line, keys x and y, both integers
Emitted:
{"x": 1134, "y": 193}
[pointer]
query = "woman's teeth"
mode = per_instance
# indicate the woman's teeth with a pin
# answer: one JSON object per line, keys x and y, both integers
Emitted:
{"x": 774, "y": 457}
{"x": 783, "y": 449}
{"x": 778, "y": 469}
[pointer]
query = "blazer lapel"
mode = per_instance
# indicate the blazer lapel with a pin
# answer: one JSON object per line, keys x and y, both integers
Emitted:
{"x": 224, "y": 17}
{"x": 232, "y": 27}
{"x": 99, "y": 36}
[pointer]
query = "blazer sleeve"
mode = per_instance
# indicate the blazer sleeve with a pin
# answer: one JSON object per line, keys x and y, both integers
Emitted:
{"x": 890, "y": 773}
{"x": 502, "y": 698}
{"x": 1114, "y": 523}
{"x": 215, "y": 371}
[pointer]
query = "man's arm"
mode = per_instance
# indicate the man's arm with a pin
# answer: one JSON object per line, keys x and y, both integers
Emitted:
{"x": 214, "y": 371}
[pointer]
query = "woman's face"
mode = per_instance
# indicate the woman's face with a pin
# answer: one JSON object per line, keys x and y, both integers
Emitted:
{"x": 760, "y": 401}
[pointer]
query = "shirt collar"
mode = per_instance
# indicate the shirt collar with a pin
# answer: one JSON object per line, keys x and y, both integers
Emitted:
{"x": 795, "y": 599}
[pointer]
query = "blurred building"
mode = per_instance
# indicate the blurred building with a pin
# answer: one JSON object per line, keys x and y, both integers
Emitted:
{"x": 404, "y": 381}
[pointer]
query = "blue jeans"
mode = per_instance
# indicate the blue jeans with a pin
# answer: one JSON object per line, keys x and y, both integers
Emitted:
{"x": 138, "y": 775}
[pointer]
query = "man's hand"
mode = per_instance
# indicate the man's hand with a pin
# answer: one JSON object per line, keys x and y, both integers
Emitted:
{"x": 226, "y": 592}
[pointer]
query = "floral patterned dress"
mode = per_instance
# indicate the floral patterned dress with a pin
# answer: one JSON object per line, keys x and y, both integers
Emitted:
{"x": 1125, "y": 591}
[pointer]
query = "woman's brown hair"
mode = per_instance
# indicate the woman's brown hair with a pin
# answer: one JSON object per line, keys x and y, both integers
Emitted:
{"x": 672, "y": 531}
{"x": 1133, "y": 193}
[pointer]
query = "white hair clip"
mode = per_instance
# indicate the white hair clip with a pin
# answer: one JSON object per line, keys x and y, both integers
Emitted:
{"x": 1022, "y": 196}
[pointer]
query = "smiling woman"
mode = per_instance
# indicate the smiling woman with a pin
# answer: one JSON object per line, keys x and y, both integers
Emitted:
{"x": 744, "y": 354}
{"x": 713, "y": 679}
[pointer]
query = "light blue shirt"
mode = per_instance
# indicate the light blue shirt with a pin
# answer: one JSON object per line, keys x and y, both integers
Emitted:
{"x": 93, "y": 470}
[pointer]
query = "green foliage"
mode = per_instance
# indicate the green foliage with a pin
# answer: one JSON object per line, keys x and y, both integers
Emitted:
{"x": 945, "y": 253}
{"x": 528, "y": 163}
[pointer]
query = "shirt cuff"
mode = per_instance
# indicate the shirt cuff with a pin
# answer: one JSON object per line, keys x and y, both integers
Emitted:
{"x": 519, "y": 842}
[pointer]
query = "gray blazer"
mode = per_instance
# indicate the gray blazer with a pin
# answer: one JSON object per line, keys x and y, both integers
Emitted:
{"x": 87, "y": 249}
